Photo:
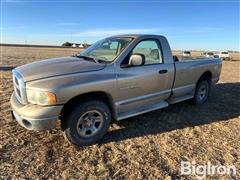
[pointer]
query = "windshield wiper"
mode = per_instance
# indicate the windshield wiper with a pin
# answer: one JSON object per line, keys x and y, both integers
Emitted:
{"x": 99, "y": 59}
{"x": 87, "y": 58}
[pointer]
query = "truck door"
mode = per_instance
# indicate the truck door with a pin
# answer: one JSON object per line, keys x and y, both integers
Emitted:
{"x": 147, "y": 84}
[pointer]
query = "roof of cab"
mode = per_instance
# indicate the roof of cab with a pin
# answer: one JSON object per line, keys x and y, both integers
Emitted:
{"x": 137, "y": 35}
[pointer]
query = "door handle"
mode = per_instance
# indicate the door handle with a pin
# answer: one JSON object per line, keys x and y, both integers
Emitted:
{"x": 163, "y": 71}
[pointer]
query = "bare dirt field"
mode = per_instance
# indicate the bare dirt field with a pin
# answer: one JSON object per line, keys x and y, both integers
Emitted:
{"x": 147, "y": 146}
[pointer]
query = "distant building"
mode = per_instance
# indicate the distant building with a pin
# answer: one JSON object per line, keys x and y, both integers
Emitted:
{"x": 80, "y": 46}
{"x": 76, "y": 45}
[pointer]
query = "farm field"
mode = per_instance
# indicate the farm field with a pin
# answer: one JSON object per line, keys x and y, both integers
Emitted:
{"x": 233, "y": 55}
{"x": 147, "y": 146}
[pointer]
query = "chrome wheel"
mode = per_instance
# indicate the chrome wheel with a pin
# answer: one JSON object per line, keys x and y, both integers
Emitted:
{"x": 89, "y": 123}
{"x": 202, "y": 92}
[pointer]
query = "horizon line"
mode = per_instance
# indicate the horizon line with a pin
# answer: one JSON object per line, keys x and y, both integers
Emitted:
{"x": 59, "y": 46}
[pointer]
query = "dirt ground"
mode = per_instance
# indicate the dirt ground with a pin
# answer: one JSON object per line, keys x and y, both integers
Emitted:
{"x": 147, "y": 146}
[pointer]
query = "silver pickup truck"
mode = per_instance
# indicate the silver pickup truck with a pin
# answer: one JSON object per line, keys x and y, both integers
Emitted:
{"x": 115, "y": 78}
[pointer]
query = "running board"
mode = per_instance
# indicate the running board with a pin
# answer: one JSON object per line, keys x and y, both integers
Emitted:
{"x": 179, "y": 99}
{"x": 142, "y": 110}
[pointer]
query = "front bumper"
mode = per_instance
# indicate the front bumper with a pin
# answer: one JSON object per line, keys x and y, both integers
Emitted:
{"x": 35, "y": 117}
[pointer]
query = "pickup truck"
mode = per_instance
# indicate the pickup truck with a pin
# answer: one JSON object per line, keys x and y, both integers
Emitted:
{"x": 208, "y": 54}
{"x": 224, "y": 55}
{"x": 114, "y": 79}
{"x": 186, "y": 53}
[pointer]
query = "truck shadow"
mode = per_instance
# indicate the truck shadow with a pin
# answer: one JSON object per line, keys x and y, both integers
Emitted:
{"x": 222, "y": 105}
{"x": 6, "y": 68}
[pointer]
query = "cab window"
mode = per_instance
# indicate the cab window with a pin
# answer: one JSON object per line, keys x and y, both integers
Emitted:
{"x": 150, "y": 49}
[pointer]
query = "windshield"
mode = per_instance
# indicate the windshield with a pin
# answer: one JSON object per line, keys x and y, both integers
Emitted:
{"x": 107, "y": 49}
{"x": 210, "y": 53}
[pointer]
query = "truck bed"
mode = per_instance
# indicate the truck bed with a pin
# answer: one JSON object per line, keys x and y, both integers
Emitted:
{"x": 187, "y": 73}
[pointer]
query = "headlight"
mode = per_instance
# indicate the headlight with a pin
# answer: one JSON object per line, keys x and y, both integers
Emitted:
{"x": 41, "y": 97}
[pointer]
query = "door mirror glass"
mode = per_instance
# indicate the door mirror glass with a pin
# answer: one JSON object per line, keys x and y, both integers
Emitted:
{"x": 137, "y": 60}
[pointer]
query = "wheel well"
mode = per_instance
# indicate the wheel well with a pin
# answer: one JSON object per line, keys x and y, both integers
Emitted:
{"x": 101, "y": 96}
{"x": 205, "y": 76}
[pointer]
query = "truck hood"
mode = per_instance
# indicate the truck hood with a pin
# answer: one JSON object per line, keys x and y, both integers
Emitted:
{"x": 56, "y": 67}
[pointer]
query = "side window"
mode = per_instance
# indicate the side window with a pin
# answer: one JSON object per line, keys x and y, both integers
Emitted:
{"x": 108, "y": 48}
{"x": 151, "y": 51}
{"x": 110, "y": 45}
{"x": 114, "y": 45}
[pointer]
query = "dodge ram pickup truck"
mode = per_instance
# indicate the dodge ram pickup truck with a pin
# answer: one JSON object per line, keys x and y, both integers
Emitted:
{"x": 115, "y": 78}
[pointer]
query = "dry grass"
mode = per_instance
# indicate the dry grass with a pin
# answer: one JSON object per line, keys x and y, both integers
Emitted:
{"x": 147, "y": 146}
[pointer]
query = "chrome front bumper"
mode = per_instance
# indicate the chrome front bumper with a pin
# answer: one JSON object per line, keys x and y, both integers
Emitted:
{"x": 35, "y": 117}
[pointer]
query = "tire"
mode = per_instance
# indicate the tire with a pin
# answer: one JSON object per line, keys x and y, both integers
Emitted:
{"x": 87, "y": 123}
{"x": 202, "y": 92}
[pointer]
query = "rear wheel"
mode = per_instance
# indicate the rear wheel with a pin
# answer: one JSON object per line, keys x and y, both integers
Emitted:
{"x": 202, "y": 92}
{"x": 87, "y": 123}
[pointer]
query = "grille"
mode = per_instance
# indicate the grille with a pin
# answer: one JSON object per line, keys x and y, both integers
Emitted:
{"x": 19, "y": 87}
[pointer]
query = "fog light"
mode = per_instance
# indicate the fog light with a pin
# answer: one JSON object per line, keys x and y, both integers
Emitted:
{"x": 26, "y": 123}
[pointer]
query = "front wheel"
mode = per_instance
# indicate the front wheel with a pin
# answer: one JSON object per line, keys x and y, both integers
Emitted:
{"x": 202, "y": 92}
{"x": 87, "y": 123}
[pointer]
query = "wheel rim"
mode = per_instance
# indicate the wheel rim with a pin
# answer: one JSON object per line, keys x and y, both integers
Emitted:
{"x": 202, "y": 92}
{"x": 89, "y": 123}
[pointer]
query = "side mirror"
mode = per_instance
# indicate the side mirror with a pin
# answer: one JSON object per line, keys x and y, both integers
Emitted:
{"x": 136, "y": 59}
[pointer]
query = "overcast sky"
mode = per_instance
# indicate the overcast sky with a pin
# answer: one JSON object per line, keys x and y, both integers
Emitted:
{"x": 205, "y": 25}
